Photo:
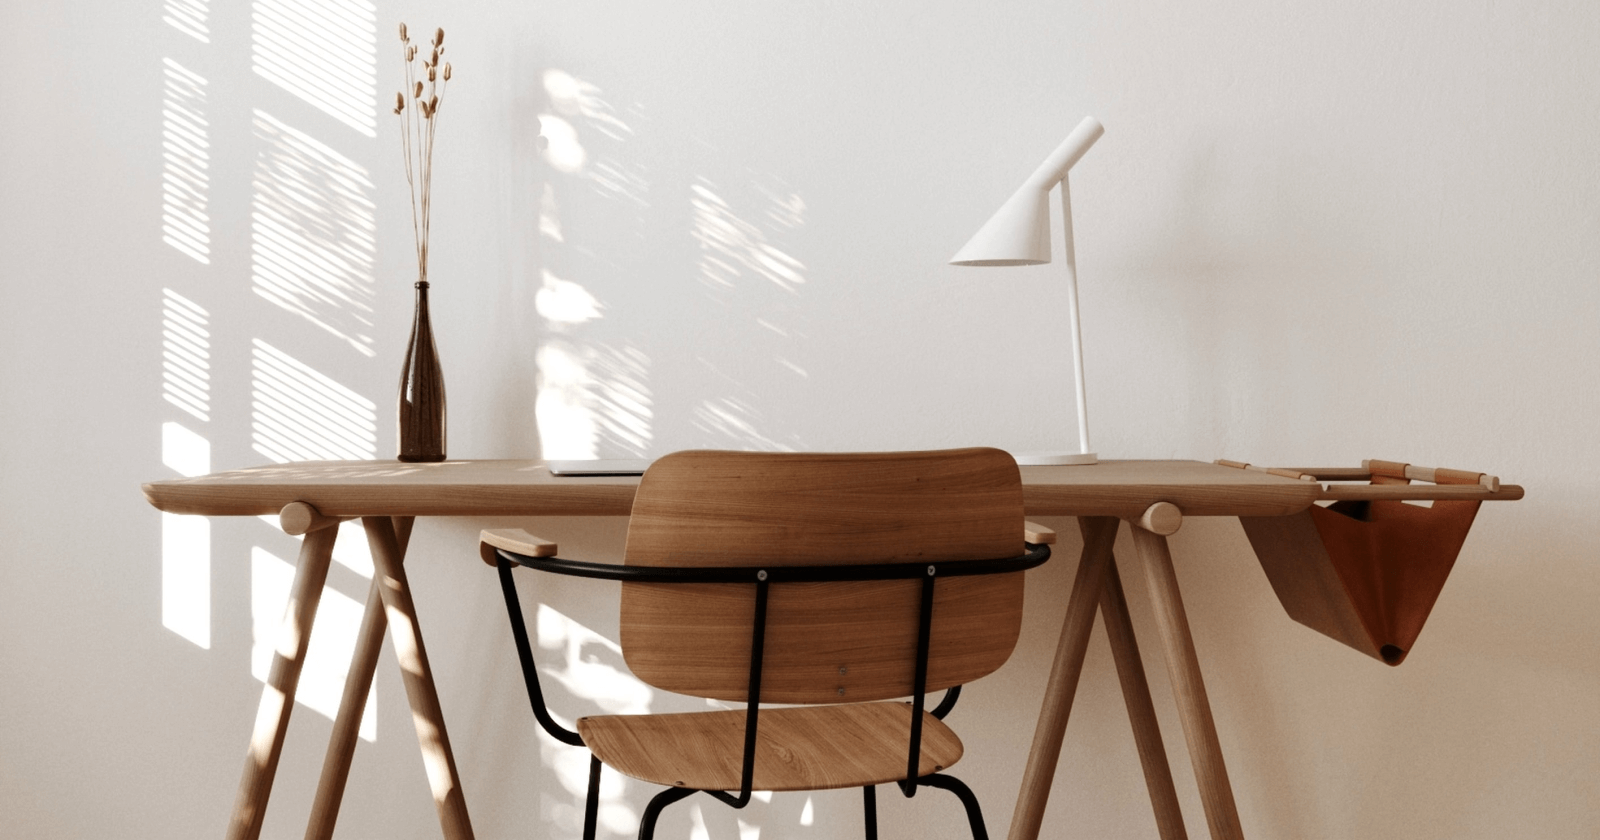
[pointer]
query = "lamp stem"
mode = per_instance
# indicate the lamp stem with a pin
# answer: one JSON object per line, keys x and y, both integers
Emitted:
{"x": 1071, "y": 260}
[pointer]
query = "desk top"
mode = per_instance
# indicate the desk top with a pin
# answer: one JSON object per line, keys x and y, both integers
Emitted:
{"x": 526, "y": 488}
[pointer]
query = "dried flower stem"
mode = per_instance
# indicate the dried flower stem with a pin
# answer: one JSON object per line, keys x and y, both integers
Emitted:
{"x": 419, "y": 120}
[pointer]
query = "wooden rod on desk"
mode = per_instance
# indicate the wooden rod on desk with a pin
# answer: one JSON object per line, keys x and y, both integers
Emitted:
{"x": 357, "y": 686}
{"x": 277, "y": 698}
{"x": 297, "y": 518}
{"x": 1141, "y": 710}
{"x": 1183, "y": 667}
{"x": 1099, "y": 534}
{"x": 418, "y": 678}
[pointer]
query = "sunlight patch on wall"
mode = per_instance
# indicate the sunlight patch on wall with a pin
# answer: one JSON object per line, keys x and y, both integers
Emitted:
{"x": 185, "y": 176}
{"x": 333, "y": 638}
{"x": 189, "y": 17}
{"x": 322, "y": 51}
{"x": 185, "y": 355}
{"x": 732, "y": 248}
{"x": 594, "y": 401}
{"x": 562, "y": 150}
{"x": 186, "y": 577}
{"x": 313, "y": 229}
{"x": 185, "y": 452}
{"x": 298, "y": 414}
{"x": 565, "y": 302}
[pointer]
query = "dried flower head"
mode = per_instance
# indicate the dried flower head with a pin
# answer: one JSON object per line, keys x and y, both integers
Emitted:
{"x": 403, "y": 37}
{"x": 411, "y": 53}
{"x": 399, "y": 102}
{"x": 447, "y": 71}
{"x": 438, "y": 37}
{"x": 417, "y": 92}
{"x": 433, "y": 105}
{"x": 431, "y": 74}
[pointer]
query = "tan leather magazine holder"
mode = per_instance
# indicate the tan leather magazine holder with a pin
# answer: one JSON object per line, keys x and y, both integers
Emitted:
{"x": 1367, "y": 569}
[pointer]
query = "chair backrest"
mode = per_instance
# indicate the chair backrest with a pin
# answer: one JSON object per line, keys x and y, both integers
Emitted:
{"x": 827, "y": 642}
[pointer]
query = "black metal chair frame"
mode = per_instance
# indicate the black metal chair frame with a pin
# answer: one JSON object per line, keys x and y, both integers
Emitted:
{"x": 763, "y": 577}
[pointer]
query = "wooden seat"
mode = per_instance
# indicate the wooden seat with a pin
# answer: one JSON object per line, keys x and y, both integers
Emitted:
{"x": 797, "y": 748}
{"x": 833, "y": 581}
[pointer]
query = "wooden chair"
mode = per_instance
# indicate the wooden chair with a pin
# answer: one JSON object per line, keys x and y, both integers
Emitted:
{"x": 835, "y": 582}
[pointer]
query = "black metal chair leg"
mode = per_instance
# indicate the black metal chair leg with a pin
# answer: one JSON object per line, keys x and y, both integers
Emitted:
{"x": 591, "y": 806}
{"x": 647, "y": 825}
{"x": 869, "y": 801}
{"x": 968, "y": 799}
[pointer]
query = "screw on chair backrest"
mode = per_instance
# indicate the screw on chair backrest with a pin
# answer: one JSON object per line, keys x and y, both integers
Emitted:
{"x": 825, "y": 642}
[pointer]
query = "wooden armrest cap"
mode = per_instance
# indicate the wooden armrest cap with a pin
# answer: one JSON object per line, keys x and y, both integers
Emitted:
{"x": 1038, "y": 534}
{"x": 514, "y": 540}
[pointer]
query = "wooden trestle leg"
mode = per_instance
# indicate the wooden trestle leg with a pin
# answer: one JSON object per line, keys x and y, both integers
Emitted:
{"x": 1141, "y": 710}
{"x": 357, "y": 685}
{"x": 277, "y": 698}
{"x": 1099, "y": 534}
{"x": 1183, "y": 667}
{"x": 418, "y": 677}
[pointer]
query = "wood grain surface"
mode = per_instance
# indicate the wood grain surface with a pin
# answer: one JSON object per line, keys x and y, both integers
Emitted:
{"x": 826, "y": 642}
{"x": 526, "y": 488}
{"x": 799, "y": 748}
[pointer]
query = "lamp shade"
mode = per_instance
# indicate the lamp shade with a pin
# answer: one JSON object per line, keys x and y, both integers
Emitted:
{"x": 1019, "y": 232}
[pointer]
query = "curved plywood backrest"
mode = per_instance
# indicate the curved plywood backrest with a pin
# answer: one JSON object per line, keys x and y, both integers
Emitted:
{"x": 825, "y": 642}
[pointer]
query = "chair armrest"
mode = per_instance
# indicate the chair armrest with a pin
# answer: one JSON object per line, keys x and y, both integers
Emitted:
{"x": 1038, "y": 534}
{"x": 514, "y": 540}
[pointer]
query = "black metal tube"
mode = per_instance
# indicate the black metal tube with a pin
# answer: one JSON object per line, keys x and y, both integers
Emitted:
{"x": 652, "y": 811}
{"x": 920, "y": 683}
{"x": 968, "y": 799}
{"x": 824, "y": 573}
{"x": 591, "y": 806}
{"x": 869, "y": 807}
{"x": 530, "y": 672}
{"x": 947, "y": 703}
{"x": 758, "y": 643}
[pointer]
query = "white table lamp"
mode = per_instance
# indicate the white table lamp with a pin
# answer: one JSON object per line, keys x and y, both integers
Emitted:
{"x": 1019, "y": 234}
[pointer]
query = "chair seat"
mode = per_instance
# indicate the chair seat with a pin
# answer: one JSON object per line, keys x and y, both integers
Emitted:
{"x": 797, "y": 748}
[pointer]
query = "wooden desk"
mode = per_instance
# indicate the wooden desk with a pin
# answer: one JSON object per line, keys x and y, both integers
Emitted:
{"x": 1151, "y": 495}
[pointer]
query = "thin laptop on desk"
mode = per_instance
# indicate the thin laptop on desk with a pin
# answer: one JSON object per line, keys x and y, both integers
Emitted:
{"x": 601, "y": 466}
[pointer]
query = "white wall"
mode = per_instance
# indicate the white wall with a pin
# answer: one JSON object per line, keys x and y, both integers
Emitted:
{"x": 1309, "y": 236}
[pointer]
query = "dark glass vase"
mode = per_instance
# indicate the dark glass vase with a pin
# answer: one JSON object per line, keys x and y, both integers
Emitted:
{"x": 421, "y": 390}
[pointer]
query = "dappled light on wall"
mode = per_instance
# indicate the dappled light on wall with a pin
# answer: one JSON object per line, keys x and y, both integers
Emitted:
{"x": 565, "y": 302}
{"x": 189, "y": 17}
{"x": 313, "y": 228}
{"x": 298, "y": 414}
{"x": 594, "y": 401}
{"x": 732, "y": 249}
{"x": 588, "y": 667}
{"x": 185, "y": 175}
{"x": 562, "y": 149}
{"x": 322, "y": 51}
{"x": 186, "y": 540}
{"x": 186, "y": 355}
{"x": 738, "y": 422}
{"x": 333, "y": 636}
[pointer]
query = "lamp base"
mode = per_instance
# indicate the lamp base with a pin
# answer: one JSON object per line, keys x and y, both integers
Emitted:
{"x": 1055, "y": 459}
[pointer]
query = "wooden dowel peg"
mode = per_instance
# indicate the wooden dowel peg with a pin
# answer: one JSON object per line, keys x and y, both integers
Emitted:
{"x": 1162, "y": 518}
{"x": 1038, "y": 534}
{"x": 299, "y": 518}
